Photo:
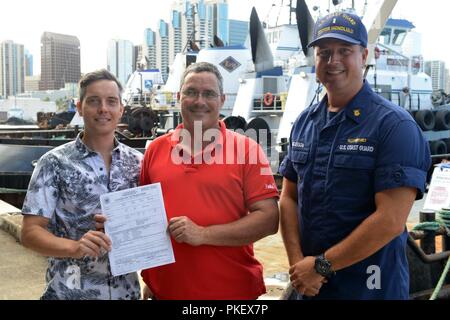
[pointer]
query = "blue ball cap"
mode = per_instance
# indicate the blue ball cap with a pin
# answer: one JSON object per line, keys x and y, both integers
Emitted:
{"x": 343, "y": 26}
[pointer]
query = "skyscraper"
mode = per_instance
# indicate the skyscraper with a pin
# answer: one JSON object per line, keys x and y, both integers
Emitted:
{"x": 121, "y": 58}
{"x": 28, "y": 63}
{"x": 238, "y": 32}
{"x": 60, "y": 60}
{"x": 221, "y": 27}
{"x": 12, "y": 69}
{"x": 175, "y": 35}
{"x": 436, "y": 70}
{"x": 193, "y": 25}
{"x": 447, "y": 86}
{"x": 201, "y": 20}
{"x": 162, "y": 45}
{"x": 150, "y": 48}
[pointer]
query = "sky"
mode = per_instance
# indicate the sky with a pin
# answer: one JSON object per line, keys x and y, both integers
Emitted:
{"x": 95, "y": 22}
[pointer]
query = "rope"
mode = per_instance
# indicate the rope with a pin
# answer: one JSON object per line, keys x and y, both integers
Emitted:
{"x": 427, "y": 226}
{"x": 442, "y": 220}
{"x": 441, "y": 281}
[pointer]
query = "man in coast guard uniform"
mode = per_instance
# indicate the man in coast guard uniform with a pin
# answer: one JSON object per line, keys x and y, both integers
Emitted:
{"x": 355, "y": 165}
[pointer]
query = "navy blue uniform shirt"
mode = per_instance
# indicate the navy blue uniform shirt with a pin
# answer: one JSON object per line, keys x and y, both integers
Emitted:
{"x": 339, "y": 164}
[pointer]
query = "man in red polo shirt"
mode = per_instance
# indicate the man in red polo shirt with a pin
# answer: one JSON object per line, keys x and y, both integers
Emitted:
{"x": 220, "y": 197}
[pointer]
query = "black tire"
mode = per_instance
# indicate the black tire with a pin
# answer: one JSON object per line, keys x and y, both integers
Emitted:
{"x": 425, "y": 119}
{"x": 142, "y": 120}
{"x": 234, "y": 123}
{"x": 438, "y": 147}
{"x": 447, "y": 143}
{"x": 259, "y": 126}
{"x": 442, "y": 120}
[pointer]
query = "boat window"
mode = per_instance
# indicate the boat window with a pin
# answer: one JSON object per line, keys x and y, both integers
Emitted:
{"x": 399, "y": 36}
{"x": 385, "y": 36}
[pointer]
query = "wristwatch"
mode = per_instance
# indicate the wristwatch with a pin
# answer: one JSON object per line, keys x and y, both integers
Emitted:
{"x": 323, "y": 266}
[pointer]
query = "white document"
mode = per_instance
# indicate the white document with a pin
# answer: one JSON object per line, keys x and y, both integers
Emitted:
{"x": 438, "y": 196}
{"x": 137, "y": 225}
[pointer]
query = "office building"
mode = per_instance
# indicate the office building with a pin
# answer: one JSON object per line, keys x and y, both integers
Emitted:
{"x": 238, "y": 32}
{"x": 120, "y": 59}
{"x": 12, "y": 69}
{"x": 150, "y": 48}
{"x": 162, "y": 45}
{"x": 436, "y": 70}
{"x": 60, "y": 60}
{"x": 28, "y": 63}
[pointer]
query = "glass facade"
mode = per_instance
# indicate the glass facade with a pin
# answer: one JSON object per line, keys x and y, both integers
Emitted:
{"x": 163, "y": 29}
{"x": 120, "y": 59}
{"x": 201, "y": 9}
{"x": 222, "y": 21}
{"x": 28, "y": 63}
{"x": 149, "y": 37}
{"x": 12, "y": 69}
{"x": 176, "y": 19}
{"x": 238, "y": 31}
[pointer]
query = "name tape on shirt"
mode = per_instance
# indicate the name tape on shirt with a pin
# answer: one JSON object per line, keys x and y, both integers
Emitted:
{"x": 356, "y": 147}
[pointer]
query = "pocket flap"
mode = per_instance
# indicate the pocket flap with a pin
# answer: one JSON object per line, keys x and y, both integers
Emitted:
{"x": 299, "y": 156}
{"x": 352, "y": 161}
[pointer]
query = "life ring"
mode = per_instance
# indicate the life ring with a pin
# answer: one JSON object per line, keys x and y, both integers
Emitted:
{"x": 268, "y": 99}
{"x": 377, "y": 53}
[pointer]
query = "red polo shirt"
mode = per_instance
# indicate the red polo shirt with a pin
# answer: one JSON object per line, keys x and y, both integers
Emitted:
{"x": 208, "y": 193}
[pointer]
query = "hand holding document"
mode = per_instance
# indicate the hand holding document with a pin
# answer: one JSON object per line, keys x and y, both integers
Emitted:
{"x": 137, "y": 225}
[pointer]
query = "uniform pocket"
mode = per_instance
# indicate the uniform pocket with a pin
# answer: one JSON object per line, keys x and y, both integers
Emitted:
{"x": 352, "y": 161}
{"x": 352, "y": 180}
{"x": 299, "y": 159}
{"x": 299, "y": 156}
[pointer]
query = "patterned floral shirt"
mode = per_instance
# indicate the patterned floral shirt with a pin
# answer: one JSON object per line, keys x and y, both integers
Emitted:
{"x": 65, "y": 188}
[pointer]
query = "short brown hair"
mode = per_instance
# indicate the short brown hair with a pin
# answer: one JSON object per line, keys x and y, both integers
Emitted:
{"x": 94, "y": 76}
{"x": 203, "y": 67}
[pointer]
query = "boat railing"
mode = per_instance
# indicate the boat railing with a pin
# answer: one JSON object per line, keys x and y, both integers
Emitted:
{"x": 270, "y": 103}
{"x": 410, "y": 101}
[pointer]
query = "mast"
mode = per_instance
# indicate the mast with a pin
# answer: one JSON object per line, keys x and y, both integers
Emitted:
{"x": 290, "y": 12}
{"x": 191, "y": 38}
{"x": 193, "y": 22}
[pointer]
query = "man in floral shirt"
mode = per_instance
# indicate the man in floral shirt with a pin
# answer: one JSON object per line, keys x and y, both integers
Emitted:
{"x": 64, "y": 193}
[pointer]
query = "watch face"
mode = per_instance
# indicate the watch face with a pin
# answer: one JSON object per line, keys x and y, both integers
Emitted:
{"x": 323, "y": 267}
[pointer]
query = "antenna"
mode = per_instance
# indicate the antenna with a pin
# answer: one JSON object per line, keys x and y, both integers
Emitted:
{"x": 191, "y": 42}
{"x": 193, "y": 22}
{"x": 266, "y": 20}
{"x": 365, "y": 8}
{"x": 290, "y": 12}
{"x": 279, "y": 12}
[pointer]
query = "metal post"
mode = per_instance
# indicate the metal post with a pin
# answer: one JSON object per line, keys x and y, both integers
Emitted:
{"x": 176, "y": 120}
{"x": 290, "y": 12}
{"x": 445, "y": 237}
{"x": 428, "y": 243}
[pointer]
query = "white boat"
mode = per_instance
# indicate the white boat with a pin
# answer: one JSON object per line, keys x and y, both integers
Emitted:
{"x": 232, "y": 61}
{"x": 275, "y": 100}
{"x": 140, "y": 87}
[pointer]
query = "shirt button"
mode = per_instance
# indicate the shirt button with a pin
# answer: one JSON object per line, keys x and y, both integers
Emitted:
{"x": 101, "y": 169}
{"x": 397, "y": 176}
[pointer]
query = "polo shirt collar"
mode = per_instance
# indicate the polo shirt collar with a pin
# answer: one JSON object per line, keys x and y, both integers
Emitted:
{"x": 175, "y": 137}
